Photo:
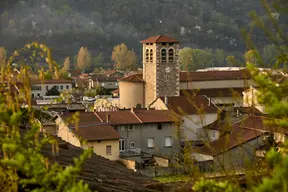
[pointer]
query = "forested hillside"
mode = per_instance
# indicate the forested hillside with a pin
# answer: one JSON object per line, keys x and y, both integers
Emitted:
{"x": 66, "y": 25}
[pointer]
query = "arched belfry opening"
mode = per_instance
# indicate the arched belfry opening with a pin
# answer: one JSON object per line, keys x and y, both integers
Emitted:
{"x": 163, "y": 56}
{"x": 171, "y": 55}
{"x": 151, "y": 55}
{"x": 147, "y": 55}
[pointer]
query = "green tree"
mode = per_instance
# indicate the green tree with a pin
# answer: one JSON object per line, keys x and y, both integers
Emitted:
{"x": 2, "y": 56}
{"x": 96, "y": 63}
{"x": 193, "y": 59}
{"x": 185, "y": 57}
{"x": 22, "y": 164}
{"x": 83, "y": 58}
{"x": 124, "y": 58}
{"x": 274, "y": 99}
{"x": 96, "y": 91}
{"x": 232, "y": 61}
{"x": 53, "y": 92}
{"x": 219, "y": 57}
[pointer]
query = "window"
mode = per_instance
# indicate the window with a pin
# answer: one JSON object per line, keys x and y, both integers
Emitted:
{"x": 132, "y": 145}
{"x": 35, "y": 87}
{"x": 151, "y": 55}
{"x": 159, "y": 126}
{"x": 67, "y": 86}
{"x": 32, "y": 95}
{"x": 57, "y": 87}
{"x": 38, "y": 94}
{"x": 108, "y": 149}
{"x": 171, "y": 43}
{"x": 163, "y": 43}
{"x": 130, "y": 128}
{"x": 163, "y": 56}
{"x": 171, "y": 55}
{"x": 150, "y": 142}
{"x": 147, "y": 55}
{"x": 47, "y": 87}
{"x": 61, "y": 87}
{"x": 121, "y": 145}
{"x": 168, "y": 141}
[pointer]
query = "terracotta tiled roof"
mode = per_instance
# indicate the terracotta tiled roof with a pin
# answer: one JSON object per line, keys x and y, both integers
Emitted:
{"x": 259, "y": 123}
{"x": 237, "y": 137}
{"x": 159, "y": 39}
{"x": 116, "y": 91}
{"x": 91, "y": 128}
{"x": 216, "y": 92}
{"x": 187, "y": 105}
{"x": 74, "y": 72}
{"x": 98, "y": 172}
{"x": 96, "y": 132}
{"x": 50, "y": 81}
{"x": 81, "y": 82}
{"x": 135, "y": 78}
{"x": 199, "y": 76}
{"x": 249, "y": 121}
{"x": 104, "y": 78}
{"x": 214, "y": 75}
{"x": 85, "y": 118}
{"x": 124, "y": 117}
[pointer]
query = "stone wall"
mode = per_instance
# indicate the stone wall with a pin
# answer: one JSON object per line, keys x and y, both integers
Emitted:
{"x": 167, "y": 83}
{"x": 159, "y": 80}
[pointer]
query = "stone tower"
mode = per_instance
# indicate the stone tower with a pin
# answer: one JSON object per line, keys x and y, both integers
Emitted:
{"x": 160, "y": 67}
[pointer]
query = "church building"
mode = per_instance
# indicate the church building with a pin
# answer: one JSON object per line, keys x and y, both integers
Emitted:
{"x": 160, "y": 76}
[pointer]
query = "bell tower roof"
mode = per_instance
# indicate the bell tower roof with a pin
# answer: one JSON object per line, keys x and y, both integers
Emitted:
{"x": 159, "y": 39}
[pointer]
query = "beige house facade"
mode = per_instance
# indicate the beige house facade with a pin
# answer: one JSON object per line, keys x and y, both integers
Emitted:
{"x": 103, "y": 138}
{"x": 39, "y": 88}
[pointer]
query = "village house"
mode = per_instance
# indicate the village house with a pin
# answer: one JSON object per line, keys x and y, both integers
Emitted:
{"x": 107, "y": 80}
{"x": 39, "y": 87}
{"x": 144, "y": 131}
{"x": 196, "y": 112}
{"x": 239, "y": 143}
{"x": 102, "y": 137}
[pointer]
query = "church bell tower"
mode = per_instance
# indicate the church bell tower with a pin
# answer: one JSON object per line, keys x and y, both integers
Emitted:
{"x": 160, "y": 67}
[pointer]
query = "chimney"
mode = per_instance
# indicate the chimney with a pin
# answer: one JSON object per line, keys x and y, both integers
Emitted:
{"x": 166, "y": 100}
{"x": 107, "y": 118}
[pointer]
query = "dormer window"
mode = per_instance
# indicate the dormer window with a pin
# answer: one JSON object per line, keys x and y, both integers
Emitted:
{"x": 163, "y": 56}
{"x": 171, "y": 55}
{"x": 147, "y": 55}
{"x": 151, "y": 55}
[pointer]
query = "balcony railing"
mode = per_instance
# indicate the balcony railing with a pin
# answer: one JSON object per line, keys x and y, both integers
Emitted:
{"x": 130, "y": 152}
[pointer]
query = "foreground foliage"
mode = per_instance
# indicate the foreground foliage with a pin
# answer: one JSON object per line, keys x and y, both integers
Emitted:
{"x": 275, "y": 101}
{"x": 22, "y": 166}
